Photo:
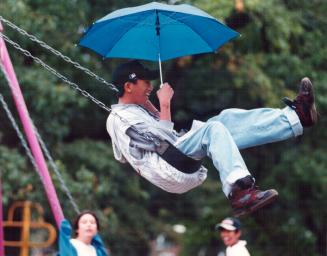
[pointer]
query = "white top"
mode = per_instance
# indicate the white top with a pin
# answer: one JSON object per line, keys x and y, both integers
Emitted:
{"x": 237, "y": 249}
{"x": 150, "y": 165}
{"x": 82, "y": 248}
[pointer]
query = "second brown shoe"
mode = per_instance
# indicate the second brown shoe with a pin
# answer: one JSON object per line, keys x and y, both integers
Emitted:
{"x": 246, "y": 198}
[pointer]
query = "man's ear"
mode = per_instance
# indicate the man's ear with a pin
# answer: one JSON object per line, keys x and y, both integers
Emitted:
{"x": 128, "y": 87}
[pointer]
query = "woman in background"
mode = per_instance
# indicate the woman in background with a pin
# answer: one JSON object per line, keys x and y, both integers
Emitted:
{"x": 86, "y": 241}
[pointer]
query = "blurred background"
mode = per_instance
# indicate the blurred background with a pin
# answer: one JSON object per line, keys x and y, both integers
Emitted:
{"x": 281, "y": 42}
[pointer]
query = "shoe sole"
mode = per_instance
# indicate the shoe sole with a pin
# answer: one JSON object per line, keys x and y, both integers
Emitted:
{"x": 270, "y": 199}
{"x": 306, "y": 85}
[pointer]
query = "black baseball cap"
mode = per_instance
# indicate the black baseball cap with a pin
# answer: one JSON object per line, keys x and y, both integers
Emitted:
{"x": 131, "y": 71}
{"x": 230, "y": 224}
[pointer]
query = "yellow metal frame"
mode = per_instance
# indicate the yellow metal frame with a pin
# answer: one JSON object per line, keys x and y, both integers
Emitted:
{"x": 26, "y": 224}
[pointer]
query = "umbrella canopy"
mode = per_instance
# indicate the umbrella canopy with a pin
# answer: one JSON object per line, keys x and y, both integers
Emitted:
{"x": 156, "y": 32}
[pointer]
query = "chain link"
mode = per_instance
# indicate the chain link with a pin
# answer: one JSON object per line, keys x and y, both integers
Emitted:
{"x": 57, "y": 172}
{"x": 62, "y": 77}
{"x": 28, "y": 151}
{"x": 19, "y": 134}
{"x": 59, "y": 54}
{"x": 56, "y": 73}
{"x": 73, "y": 85}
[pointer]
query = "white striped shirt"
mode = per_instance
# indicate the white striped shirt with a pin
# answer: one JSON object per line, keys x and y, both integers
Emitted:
{"x": 149, "y": 165}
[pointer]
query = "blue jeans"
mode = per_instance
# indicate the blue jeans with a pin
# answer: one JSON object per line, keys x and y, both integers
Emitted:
{"x": 222, "y": 136}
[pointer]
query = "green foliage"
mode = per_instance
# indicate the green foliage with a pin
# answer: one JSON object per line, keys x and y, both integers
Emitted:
{"x": 281, "y": 41}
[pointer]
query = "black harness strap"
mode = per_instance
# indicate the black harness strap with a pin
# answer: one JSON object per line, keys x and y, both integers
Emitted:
{"x": 165, "y": 150}
{"x": 180, "y": 161}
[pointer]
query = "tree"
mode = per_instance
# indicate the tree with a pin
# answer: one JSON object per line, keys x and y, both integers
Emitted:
{"x": 281, "y": 42}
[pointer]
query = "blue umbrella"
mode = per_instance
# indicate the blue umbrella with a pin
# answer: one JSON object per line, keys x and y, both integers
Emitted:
{"x": 156, "y": 32}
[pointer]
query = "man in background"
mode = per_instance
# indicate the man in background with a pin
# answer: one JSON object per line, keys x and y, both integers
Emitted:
{"x": 230, "y": 233}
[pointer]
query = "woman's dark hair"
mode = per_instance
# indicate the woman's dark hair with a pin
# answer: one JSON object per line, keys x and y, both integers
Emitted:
{"x": 80, "y": 215}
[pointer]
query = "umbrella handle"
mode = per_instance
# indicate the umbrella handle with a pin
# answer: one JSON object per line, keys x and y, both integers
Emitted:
{"x": 160, "y": 70}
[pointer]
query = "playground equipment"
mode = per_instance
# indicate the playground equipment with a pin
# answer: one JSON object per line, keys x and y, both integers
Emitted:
{"x": 35, "y": 142}
{"x": 26, "y": 224}
{"x": 35, "y": 154}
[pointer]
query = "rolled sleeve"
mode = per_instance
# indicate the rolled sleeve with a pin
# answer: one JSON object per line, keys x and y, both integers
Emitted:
{"x": 167, "y": 125}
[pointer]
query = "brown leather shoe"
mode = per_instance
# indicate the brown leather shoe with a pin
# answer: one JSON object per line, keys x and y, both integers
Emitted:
{"x": 246, "y": 198}
{"x": 304, "y": 103}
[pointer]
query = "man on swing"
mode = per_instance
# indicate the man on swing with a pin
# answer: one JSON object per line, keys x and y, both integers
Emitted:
{"x": 137, "y": 130}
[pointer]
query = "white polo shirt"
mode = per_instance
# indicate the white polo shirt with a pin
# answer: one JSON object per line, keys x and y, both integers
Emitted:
{"x": 237, "y": 249}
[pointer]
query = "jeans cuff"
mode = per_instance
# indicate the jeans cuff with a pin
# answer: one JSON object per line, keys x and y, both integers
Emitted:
{"x": 294, "y": 121}
{"x": 232, "y": 177}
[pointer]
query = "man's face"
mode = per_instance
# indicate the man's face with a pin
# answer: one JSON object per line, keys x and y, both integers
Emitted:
{"x": 230, "y": 237}
{"x": 140, "y": 91}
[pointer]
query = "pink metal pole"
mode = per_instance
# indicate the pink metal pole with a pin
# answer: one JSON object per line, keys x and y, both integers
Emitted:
{"x": 29, "y": 132}
{"x": 2, "y": 247}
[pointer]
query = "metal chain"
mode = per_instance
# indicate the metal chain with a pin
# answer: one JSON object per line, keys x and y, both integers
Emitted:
{"x": 56, "y": 170}
{"x": 20, "y": 135}
{"x": 56, "y": 73}
{"x": 72, "y": 84}
{"x": 28, "y": 151}
{"x": 57, "y": 53}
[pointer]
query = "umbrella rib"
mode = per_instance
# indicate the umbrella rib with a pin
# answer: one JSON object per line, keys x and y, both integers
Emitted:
{"x": 123, "y": 28}
{"x": 205, "y": 40}
{"x": 180, "y": 20}
{"x": 122, "y": 34}
{"x": 162, "y": 24}
{"x": 175, "y": 19}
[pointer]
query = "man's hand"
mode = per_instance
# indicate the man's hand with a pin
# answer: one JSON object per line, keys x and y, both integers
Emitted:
{"x": 165, "y": 94}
